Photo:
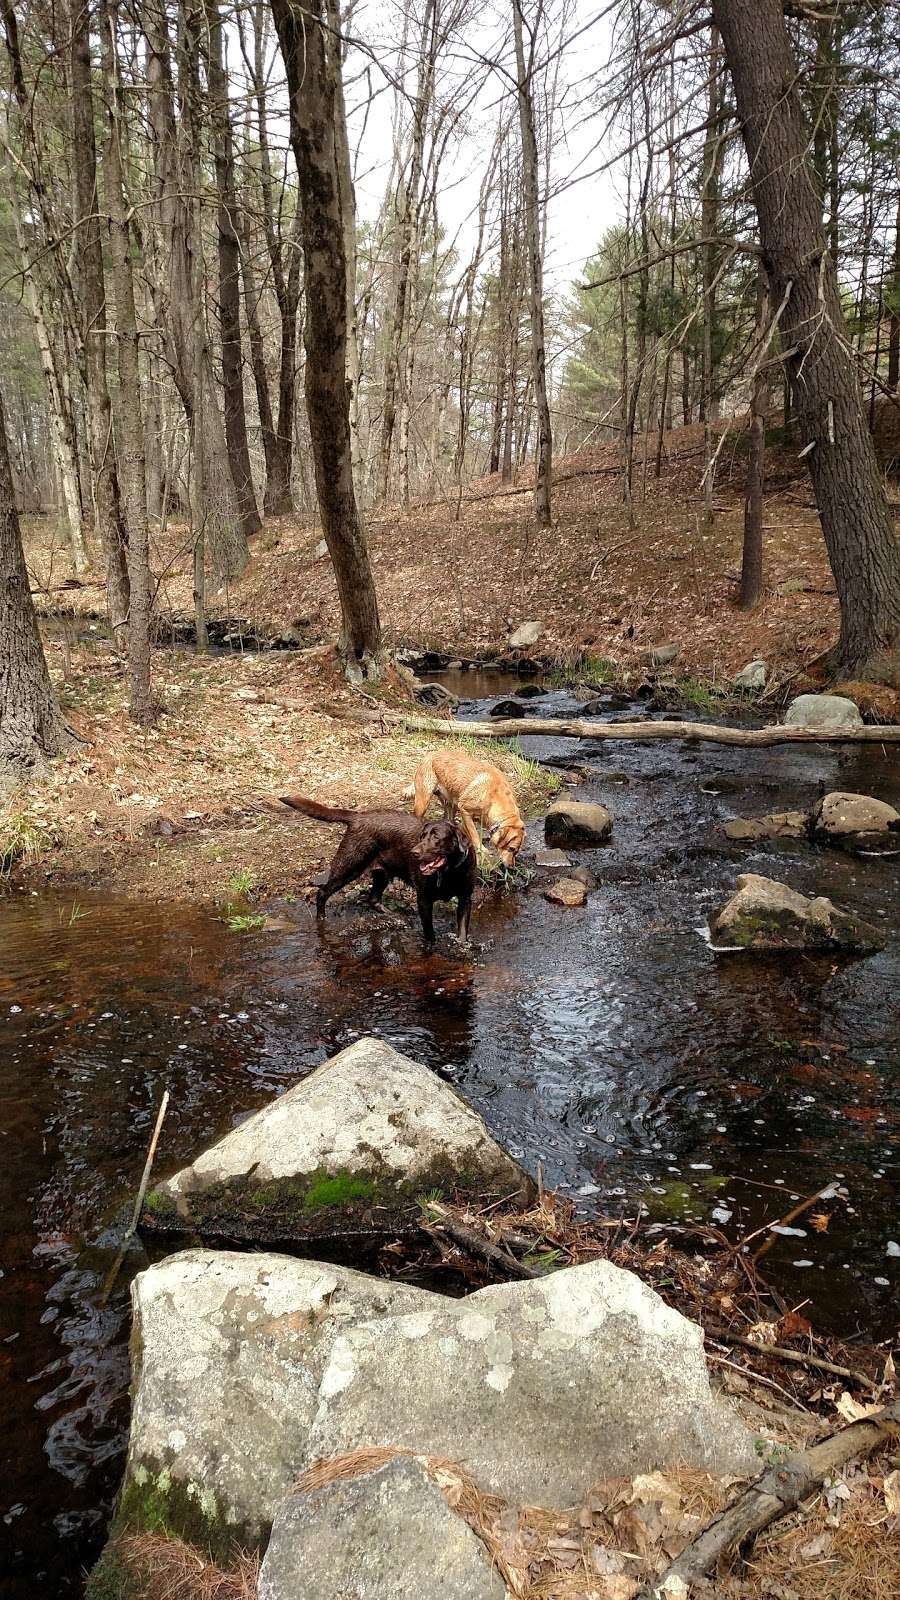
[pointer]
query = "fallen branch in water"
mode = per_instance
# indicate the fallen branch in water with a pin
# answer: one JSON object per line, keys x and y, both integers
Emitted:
{"x": 591, "y": 728}
{"x": 142, "y": 1190}
{"x": 780, "y": 1489}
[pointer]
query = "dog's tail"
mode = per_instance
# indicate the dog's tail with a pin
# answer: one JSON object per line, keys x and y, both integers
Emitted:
{"x": 312, "y": 808}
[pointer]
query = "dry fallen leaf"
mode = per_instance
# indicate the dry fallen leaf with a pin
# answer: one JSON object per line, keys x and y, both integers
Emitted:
{"x": 853, "y": 1410}
{"x": 820, "y": 1220}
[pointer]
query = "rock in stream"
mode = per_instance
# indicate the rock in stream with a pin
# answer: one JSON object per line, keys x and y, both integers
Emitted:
{"x": 347, "y": 1152}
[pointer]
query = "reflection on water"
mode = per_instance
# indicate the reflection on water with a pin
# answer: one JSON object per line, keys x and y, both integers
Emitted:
{"x": 609, "y": 1043}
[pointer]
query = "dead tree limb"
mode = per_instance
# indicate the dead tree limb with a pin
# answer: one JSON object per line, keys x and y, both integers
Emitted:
{"x": 780, "y": 1489}
{"x": 800, "y": 1357}
{"x": 591, "y": 728}
{"x": 475, "y": 1244}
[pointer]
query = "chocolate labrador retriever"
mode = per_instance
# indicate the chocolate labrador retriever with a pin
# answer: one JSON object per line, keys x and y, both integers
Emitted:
{"x": 435, "y": 858}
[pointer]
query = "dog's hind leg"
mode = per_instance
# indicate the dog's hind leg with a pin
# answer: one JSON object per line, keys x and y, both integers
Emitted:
{"x": 353, "y": 856}
{"x": 425, "y": 787}
{"x": 380, "y": 881}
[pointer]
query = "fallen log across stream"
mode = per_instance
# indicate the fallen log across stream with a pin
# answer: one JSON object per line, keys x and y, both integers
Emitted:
{"x": 592, "y": 728}
{"x": 780, "y": 1490}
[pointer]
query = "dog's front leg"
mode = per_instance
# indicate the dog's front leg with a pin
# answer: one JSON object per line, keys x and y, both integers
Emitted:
{"x": 426, "y": 913}
{"x": 463, "y": 918}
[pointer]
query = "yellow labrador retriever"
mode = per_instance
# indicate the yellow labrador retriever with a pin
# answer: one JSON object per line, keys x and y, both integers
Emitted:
{"x": 478, "y": 792}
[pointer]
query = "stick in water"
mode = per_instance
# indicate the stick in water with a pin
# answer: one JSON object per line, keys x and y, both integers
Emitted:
{"x": 142, "y": 1190}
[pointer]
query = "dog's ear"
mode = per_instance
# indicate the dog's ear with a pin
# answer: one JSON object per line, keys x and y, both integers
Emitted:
{"x": 463, "y": 841}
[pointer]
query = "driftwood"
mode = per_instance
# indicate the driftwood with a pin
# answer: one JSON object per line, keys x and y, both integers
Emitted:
{"x": 780, "y": 1489}
{"x": 592, "y": 728}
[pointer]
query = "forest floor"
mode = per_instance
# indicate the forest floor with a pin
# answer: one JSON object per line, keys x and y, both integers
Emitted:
{"x": 179, "y": 811}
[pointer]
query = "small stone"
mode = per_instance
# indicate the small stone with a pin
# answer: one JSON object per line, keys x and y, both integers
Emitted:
{"x": 822, "y": 711}
{"x": 777, "y": 825}
{"x": 320, "y": 551}
{"x": 551, "y": 858}
{"x": 386, "y": 1534}
{"x": 566, "y": 892}
{"x": 751, "y": 678}
{"x": 507, "y": 708}
{"x": 577, "y": 822}
{"x": 525, "y": 636}
{"x": 584, "y": 875}
{"x": 529, "y": 691}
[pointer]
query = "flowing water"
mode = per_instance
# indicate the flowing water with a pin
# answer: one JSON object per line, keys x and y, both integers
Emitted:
{"x": 610, "y": 1044}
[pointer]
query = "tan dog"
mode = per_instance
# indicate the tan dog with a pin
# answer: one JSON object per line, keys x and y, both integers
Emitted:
{"x": 476, "y": 790}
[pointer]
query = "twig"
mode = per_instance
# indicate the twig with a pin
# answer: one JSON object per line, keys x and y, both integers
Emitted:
{"x": 758, "y": 1377}
{"x": 782, "y": 1222}
{"x": 475, "y": 1244}
{"x": 800, "y": 1357}
{"x": 780, "y": 1489}
{"x": 142, "y": 1190}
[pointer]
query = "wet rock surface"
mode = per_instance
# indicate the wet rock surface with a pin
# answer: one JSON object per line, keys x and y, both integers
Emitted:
{"x": 855, "y": 821}
{"x": 570, "y": 892}
{"x": 572, "y": 823}
{"x": 386, "y": 1534}
{"x": 538, "y": 1387}
{"x": 777, "y": 825}
{"x": 766, "y": 915}
{"x": 348, "y": 1151}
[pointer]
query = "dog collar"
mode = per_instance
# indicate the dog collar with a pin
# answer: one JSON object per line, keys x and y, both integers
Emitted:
{"x": 498, "y": 827}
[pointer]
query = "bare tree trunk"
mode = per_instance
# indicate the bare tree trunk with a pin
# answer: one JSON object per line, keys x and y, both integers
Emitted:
{"x": 544, "y": 463}
{"x": 893, "y": 372}
{"x": 709, "y": 221}
{"x": 31, "y": 726}
{"x": 229, "y": 279}
{"x": 752, "y": 557}
{"x": 178, "y": 313}
{"x": 348, "y": 215}
{"x": 61, "y": 430}
{"x": 311, "y": 86}
{"x": 859, "y": 534}
{"x": 92, "y": 305}
{"x": 129, "y": 420}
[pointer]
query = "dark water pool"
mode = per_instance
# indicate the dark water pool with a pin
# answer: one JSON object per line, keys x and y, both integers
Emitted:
{"x": 610, "y": 1044}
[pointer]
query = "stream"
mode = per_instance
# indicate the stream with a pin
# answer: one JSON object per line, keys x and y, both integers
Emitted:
{"x": 610, "y": 1044}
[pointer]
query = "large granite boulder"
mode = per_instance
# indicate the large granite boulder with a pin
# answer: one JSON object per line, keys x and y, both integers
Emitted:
{"x": 538, "y": 1387}
{"x": 763, "y": 914}
{"x": 227, "y": 1353}
{"x": 822, "y": 711}
{"x": 386, "y": 1534}
{"x": 347, "y": 1152}
{"x": 855, "y": 822}
{"x": 570, "y": 823}
{"x": 525, "y": 636}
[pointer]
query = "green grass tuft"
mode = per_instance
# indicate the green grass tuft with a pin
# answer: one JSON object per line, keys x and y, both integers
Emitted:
{"x": 24, "y": 836}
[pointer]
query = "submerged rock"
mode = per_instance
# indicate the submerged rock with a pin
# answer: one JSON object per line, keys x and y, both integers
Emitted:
{"x": 577, "y": 822}
{"x": 751, "y": 678}
{"x": 228, "y": 1350}
{"x": 507, "y": 708}
{"x": 856, "y": 821}
{"x": 822, "y": 711}
{"x": 551, "y": 858}
{"x": 777, "y": 825}
{"x": 349, "y": 1151}
{"x": 566, "y": 892}
{"x": 538, "y": 1387}
{"x": 766, "y": 915}
{"x": 525, "y": 636}
{"x": 386, "y": 1533}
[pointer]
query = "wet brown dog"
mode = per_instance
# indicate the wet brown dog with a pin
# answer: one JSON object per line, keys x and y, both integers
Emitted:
{"x": 479, "y": 792}
{"x": 435, "y": 858}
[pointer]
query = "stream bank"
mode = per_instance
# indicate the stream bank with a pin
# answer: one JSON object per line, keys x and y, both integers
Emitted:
{"x": 608, "y": 1044}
